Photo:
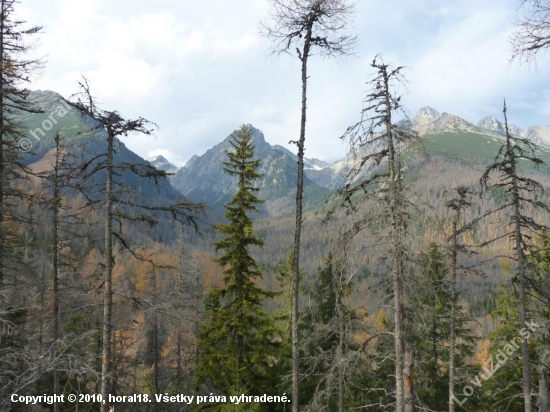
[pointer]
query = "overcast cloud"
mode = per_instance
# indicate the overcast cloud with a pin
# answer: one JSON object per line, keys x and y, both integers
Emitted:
{"x": 199, "y": 68}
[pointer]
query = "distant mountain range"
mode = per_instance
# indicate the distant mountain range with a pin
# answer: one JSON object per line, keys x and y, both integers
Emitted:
{"x": 200, "y": 181}
{"x": 203, "y": 180}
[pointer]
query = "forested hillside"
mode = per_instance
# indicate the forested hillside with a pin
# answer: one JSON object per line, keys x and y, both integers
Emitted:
{"x": 411, "y": 273}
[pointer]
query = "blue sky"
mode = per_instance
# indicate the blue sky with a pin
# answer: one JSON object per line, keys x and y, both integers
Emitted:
{"x": 199, "y": 68}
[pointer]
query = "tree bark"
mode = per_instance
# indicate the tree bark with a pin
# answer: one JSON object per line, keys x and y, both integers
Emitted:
{"x": 452, "y": 322}
{"x": 298, "y": 229}
{"x": 521, "y": 277}
{"x": 396, "y": 257}
{"x": 107, "y": 287}
{"x": 543, "y": 390}
{"x": 55, "y": 258}
{"x": 340, "y": 357}
{"x": 408, "y": 384}
{"x": 2, "y": 137}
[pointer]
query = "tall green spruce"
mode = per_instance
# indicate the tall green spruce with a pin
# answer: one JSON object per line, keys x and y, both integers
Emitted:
{"x": 428, "y": 326}
{"x": 238, "y": 339}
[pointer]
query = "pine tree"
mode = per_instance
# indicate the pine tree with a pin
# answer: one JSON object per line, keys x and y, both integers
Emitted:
{"x": 237, "y": 341}
{"x": 431, "y": 301}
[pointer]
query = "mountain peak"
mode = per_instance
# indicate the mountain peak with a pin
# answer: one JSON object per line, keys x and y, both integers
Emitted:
{"x": 161, "y": 163}
{"x": 257, "y": 135}
{"x": 428, "y": 113}
{"x": 490, "y": 123}
{"x": 158, "y": 158}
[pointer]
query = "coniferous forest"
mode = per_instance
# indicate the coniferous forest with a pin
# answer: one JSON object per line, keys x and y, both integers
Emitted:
{"x": 414, "y": 275}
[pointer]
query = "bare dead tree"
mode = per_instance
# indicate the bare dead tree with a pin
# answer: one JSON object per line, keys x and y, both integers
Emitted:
{"x": 457, "y": 206}
{"x": 521, "y": 192}
{"x": 377, "y": 139}
{"x": 532, "y": 32}
{"x": 128, "y": 206}
{"x": 543, "y": 389}
{"x": 311, "y": 26}
{"x": 56, "y": 206}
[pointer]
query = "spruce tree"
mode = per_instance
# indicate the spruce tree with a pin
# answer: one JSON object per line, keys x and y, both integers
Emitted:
{"x": 431, "y": 305}
{"x": 238, "y": 340}
{"x": 331, "y": 357}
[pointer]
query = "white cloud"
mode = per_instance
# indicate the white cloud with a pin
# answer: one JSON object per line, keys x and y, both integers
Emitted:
{"x": 168, "y": 155}
{"x": 199, "y": 69}
{"x": 125, "y": 81}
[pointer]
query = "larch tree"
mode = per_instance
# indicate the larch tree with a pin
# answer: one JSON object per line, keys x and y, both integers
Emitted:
{"x": 117, "y": 202}
{"x": 377, "y": 141}
{"x": 309, "y": 26}
{"x": 238, "y": 339}
{"x": 522, "y": 193}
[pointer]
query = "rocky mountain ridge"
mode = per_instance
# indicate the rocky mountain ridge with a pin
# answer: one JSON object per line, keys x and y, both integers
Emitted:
{"x": 427, "y": 121}
{"x": 161, "y": 163}
{"x": 202, "y": 179}
{"x": 537, "y": 134}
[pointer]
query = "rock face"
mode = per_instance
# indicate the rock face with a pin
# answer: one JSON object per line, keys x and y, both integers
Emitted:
{"x": 202, "y": 178}
{"x": 537, "y": 134}
{"x": 493, "y": 124}
{"x": 430, "y": 121}
{"x": 161, "y": 163}
{"x": 490, "y": 123}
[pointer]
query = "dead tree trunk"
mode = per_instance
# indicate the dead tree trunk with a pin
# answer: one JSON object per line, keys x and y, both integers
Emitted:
{"x": 341, "y": 348}
{"x": 108, "y": 268}
{"x": 374, "y": 139}
{"x": 306, "y": 24}
{"x": 408, "y": 384}
{"x": 396, "y": 250}
{"x": 456, "y": 205}
{"x": 543, "y": 390}
{"x": 55, "y": 258}
{"x": 298, "y": 231}
{"x": 520, "y": 191}
{"x": 520, "y": 254}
